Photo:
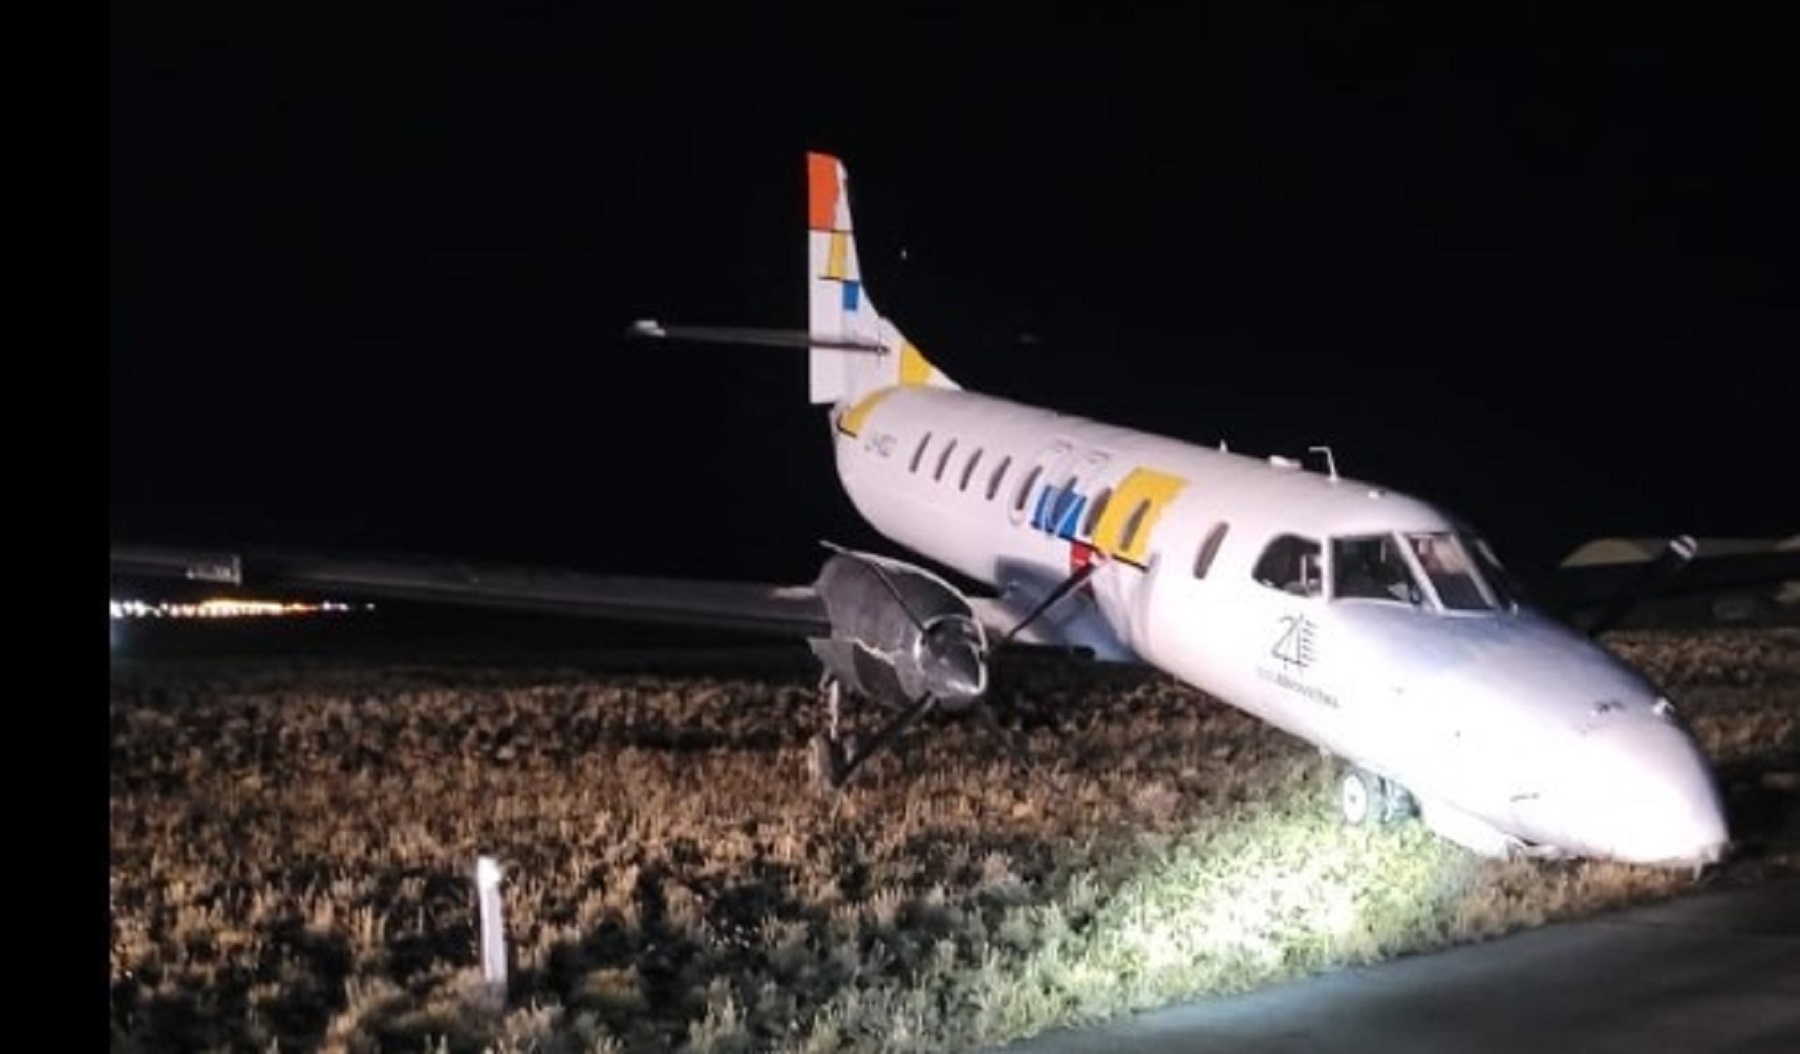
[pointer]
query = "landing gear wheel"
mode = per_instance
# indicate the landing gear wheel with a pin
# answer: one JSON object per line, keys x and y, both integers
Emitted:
{"x": 1367, "y": 799}
{"x": 1396, "y": 804}
{"x": 1358, "y": 793}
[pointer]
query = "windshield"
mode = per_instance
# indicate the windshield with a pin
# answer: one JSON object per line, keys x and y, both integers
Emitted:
{"x": 1500, "y": 582}
{"x": 1372, "y": 568}
{"x": 1451, "y": 570}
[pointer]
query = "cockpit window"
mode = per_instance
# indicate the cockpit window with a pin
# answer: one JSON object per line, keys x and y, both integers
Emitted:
{"x": 1500, "y": 581}
{"x": 1372, "y": 568}
{"x": 1452, "y": 573}
{"x": 1291, "y": 564}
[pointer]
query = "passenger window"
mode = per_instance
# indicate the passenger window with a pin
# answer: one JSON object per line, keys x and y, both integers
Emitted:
{"x": 998, "y": 477}
{"x": 1026, "y": 488}
{"x": 969, "y": 469}
{"x": 1209, "y": 548}
{"x": 1290, "y": 564}
{"x": 1063, "y": 504}
{"x": 1135, "y": 521}
{"x": 1094, "y": 511}
{"x": 944, "y": 460}
{"x": 919, "y": 454}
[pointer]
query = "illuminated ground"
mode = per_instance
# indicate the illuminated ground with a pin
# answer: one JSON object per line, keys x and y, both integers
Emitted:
{"x": 292, "y": 837}
{"x": 1715, "y": 972}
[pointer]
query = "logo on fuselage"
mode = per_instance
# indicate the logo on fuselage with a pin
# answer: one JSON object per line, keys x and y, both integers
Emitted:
{"x": 881, "y": 444}
{"x": 1295, "y": 649}
{"x": 1058, "y": 511}
{"x": 1116, "y": 524}
{"x": 1294, "y": 645}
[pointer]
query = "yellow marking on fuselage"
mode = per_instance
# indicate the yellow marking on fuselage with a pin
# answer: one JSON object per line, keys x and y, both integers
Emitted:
{"x": 914, "y": 369}
{"x": 851, "y": 421}
{"x": 1141, "y": 488}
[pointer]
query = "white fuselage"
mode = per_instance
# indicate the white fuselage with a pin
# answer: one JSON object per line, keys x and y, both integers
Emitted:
{"x": 1499, "y": 717}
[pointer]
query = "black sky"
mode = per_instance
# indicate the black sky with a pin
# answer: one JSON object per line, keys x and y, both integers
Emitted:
{"x": 371, "y": 268}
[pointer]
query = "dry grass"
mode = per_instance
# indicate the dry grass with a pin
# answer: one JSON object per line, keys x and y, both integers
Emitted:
{"x": 292, "y": 845}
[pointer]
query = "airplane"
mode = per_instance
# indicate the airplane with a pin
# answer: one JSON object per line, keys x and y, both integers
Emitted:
{"x": 1370, "y": 623}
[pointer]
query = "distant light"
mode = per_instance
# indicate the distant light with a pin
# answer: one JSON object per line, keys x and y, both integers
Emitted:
{"x": 227, "y": 608}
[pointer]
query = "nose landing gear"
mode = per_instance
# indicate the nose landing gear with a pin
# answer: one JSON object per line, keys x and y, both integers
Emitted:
{"x": 1365, "y": 799}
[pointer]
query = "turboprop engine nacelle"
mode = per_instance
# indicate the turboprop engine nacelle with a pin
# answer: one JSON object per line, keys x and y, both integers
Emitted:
{"x": 899, "y": 633}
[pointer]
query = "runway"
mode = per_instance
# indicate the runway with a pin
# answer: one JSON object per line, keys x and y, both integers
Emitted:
{"x": 1717, "y": 971}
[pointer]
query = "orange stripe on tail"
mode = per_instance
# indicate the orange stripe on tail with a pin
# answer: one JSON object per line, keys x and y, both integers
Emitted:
{"x": 821, "y": 191}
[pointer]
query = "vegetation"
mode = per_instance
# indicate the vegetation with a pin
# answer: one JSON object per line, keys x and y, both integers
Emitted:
{"x": 292, "y": 849}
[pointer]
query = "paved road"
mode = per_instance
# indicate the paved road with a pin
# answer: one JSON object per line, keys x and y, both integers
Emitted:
{"x": 1718, "y": 971}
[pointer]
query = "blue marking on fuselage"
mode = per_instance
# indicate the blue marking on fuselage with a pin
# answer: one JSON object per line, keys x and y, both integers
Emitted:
{"x": 1058, "y": 511}
{"x": 1071, "y": 516}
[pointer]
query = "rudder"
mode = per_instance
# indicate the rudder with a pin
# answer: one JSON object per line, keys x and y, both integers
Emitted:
{"x": 839, "y": 309}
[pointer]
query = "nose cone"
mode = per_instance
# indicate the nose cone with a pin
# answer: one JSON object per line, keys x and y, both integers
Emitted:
{"x": 1648, "y": 795}
{"x": 1609, "y": 771}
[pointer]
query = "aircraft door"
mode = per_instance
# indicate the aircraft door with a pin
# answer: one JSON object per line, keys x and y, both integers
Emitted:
{"x": 1181, "y": 608}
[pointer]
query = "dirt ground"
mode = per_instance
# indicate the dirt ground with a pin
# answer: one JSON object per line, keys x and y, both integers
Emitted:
{"x": 293, "y": 841}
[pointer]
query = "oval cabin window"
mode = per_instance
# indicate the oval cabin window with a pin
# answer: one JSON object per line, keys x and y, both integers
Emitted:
{"x": 1025, "y": 488}
{"x": 1128, "y": 538}
{"x": 999, "y": 477}
{"x": 919, "y": 454}
{"x": 1094, "y": 511}
{"x": 1209, "y": 548}
{"x": 944, "y": 460}
{"x": 969, "y": 469}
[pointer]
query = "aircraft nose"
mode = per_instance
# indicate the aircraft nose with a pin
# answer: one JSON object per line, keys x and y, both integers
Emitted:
{"x": 1650, "y": 795}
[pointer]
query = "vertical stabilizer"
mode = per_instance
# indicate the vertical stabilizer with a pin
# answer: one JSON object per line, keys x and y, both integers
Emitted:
{"x": 839, "y": 308}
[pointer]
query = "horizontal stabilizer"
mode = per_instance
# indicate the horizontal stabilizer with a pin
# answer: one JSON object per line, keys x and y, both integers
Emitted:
{"x": 798, "y": 339}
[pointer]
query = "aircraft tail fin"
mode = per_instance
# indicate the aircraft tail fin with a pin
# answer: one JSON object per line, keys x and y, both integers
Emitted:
{"x": 839, "y": 310}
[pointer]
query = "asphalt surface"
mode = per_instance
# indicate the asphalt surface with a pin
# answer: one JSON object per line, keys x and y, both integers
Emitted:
{"x": 1716, "y": 971}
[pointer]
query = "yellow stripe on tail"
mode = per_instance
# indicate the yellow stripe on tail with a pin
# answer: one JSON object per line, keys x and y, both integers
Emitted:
{"x": 838, "y": 306}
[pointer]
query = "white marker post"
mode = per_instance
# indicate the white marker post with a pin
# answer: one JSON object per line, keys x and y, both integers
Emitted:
{"x": 493, "y": 928}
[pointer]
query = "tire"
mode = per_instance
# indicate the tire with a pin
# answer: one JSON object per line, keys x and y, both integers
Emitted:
{"x": 1359, "y": 797}
{"x": 1397, "y": 803}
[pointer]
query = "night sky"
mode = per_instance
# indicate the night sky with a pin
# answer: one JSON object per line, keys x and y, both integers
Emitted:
{"x": 371, "y": 269}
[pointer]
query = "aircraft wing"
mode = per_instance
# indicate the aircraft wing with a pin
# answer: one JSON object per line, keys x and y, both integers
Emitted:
{"x": 789, "y": 610}
{"x": 785, "y": 610}
{"x": 1602, "y": 590}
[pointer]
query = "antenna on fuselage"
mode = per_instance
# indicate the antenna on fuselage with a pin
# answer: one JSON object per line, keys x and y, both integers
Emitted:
{"x": 1330, "y": 462}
